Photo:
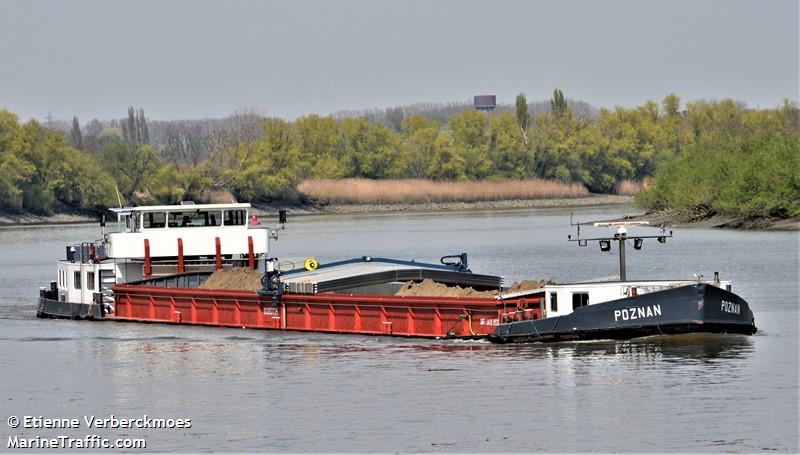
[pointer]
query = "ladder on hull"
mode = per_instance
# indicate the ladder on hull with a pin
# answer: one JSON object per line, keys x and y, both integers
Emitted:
{"x": 108, "y": 279}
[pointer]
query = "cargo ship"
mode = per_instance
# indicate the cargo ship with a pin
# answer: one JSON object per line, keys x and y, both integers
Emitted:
{"x": 623, "y": 309}
{"x": 151, "y": 266}
{"x": 155, "y": 265}
{"x": 148, "y": 242}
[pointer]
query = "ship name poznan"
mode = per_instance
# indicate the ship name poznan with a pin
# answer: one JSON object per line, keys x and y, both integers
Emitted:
{"x": 627, "y": 314}
{"x": 730, "y": 307}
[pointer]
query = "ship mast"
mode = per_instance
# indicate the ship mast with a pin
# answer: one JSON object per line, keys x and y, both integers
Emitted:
{"x": 621, "y": 236}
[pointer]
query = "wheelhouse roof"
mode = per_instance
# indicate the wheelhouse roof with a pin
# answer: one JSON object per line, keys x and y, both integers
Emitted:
{"x": 180, "y": 208}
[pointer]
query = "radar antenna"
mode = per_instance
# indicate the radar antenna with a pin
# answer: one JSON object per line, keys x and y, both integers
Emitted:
{"x": 620, "y": 236}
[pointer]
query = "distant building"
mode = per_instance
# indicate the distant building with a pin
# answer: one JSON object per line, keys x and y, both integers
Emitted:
{"x": 485, "y": 102}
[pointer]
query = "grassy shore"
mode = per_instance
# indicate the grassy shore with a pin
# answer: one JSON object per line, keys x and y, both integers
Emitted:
{"x": 28, "y": 219}
{"x": 342, "y": 208}
{"x": 415, "y": 191}
{"x": 371, "y": 196}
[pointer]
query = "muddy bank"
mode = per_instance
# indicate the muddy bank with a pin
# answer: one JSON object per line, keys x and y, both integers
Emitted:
{"x": 318, "y": 208}
{"x": 701, "y": 219}
{"x": 11, "y": 219}
{"x": 268, "y": 211}
{"x": 314, "y": 208}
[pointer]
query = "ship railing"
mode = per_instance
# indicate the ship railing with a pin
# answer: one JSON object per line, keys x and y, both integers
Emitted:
{"x": 191, "y": 279}
{"x": 170, "y": 266}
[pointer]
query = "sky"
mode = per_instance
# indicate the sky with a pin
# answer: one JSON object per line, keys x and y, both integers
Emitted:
{"x": 196, "y": 59}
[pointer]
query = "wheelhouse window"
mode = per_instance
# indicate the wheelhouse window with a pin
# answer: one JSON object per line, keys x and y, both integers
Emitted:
{"x": 194, "y": 218}
{"x": 125, "y": 224}
{"x": 90, "y": 281}
{"x": 554, "y": 301}
{"x": 579, "y": 299}
{"x": 154, "y": 220}
{"x": 76, "y": 280}
{"x": 235, "y": 217}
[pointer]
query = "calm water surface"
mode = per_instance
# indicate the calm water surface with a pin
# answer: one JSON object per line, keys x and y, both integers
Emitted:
{"x": 248, "y": 390}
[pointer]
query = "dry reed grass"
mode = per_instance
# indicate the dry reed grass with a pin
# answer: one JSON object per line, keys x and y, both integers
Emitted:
{"x": 364, "y": 191}
{"x": 631, "y": 187}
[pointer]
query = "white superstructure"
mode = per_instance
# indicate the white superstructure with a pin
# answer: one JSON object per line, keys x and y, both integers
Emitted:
{"x": 160, "y": 240}
{"x": 563, "y": 299}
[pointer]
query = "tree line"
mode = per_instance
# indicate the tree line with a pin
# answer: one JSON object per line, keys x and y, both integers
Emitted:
{"x": 718, "y": 155}
{"x": 732, "y": 161}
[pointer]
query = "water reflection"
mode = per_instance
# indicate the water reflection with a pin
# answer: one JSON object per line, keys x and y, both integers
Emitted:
{"x": 307, "y": 392}
{"x": 704, "y": 346}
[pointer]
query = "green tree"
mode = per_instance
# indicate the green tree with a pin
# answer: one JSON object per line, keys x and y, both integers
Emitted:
{"x": 134, "y": 129}
{"x": 75, "y": 136}
{"x": 558, "y": 105}
{"x": 40, "y": 172}
{"x": 15, "y": 171}
{"x": 173, "y": 183}
{"x": 447, "y": 163}
{"x": 471, "y": 143}
{"x": 131, "y": 167}
{"x": 321, "y": 146}
{"x": 268, "y": 168}
{"x": 523, "y": 117}
{"x": 371, "y": 149}
{"x": 671, "y": 105}
{"x": 509, "y": 152}
{"x": 419, "y": 145}
{"x": 739, "y": 162}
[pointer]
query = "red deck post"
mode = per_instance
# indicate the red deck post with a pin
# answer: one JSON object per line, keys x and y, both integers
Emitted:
{"x": 250, "y": 256}
{"x": 385, "y": 322}
{"x": 218, "y": 264}
{"x": 180, "y": 256}
{"x": 237, "y": 312}
{"x": 148, "y": 270}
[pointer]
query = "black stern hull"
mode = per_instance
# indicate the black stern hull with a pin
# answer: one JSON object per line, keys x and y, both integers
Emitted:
{"x": 698, "y": 308}
{"x": 51, "y": 308}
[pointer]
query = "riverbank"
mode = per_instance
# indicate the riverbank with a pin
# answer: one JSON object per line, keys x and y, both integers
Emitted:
{"x": 314, "y": 208}
{"x": 29, "y": 219}
{"x": 698, "y": 219}
{"x": 317, "y": 208}
{"x": 665, "y": 217}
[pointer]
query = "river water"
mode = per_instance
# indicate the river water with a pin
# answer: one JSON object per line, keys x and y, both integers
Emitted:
{"x": 248, "y": 390}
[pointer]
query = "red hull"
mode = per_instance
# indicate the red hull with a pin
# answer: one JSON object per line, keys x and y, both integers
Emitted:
{"x": 431, "y": 317}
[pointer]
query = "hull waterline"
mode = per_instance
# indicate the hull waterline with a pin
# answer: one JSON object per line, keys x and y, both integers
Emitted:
{"x": 698, "y": 308}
